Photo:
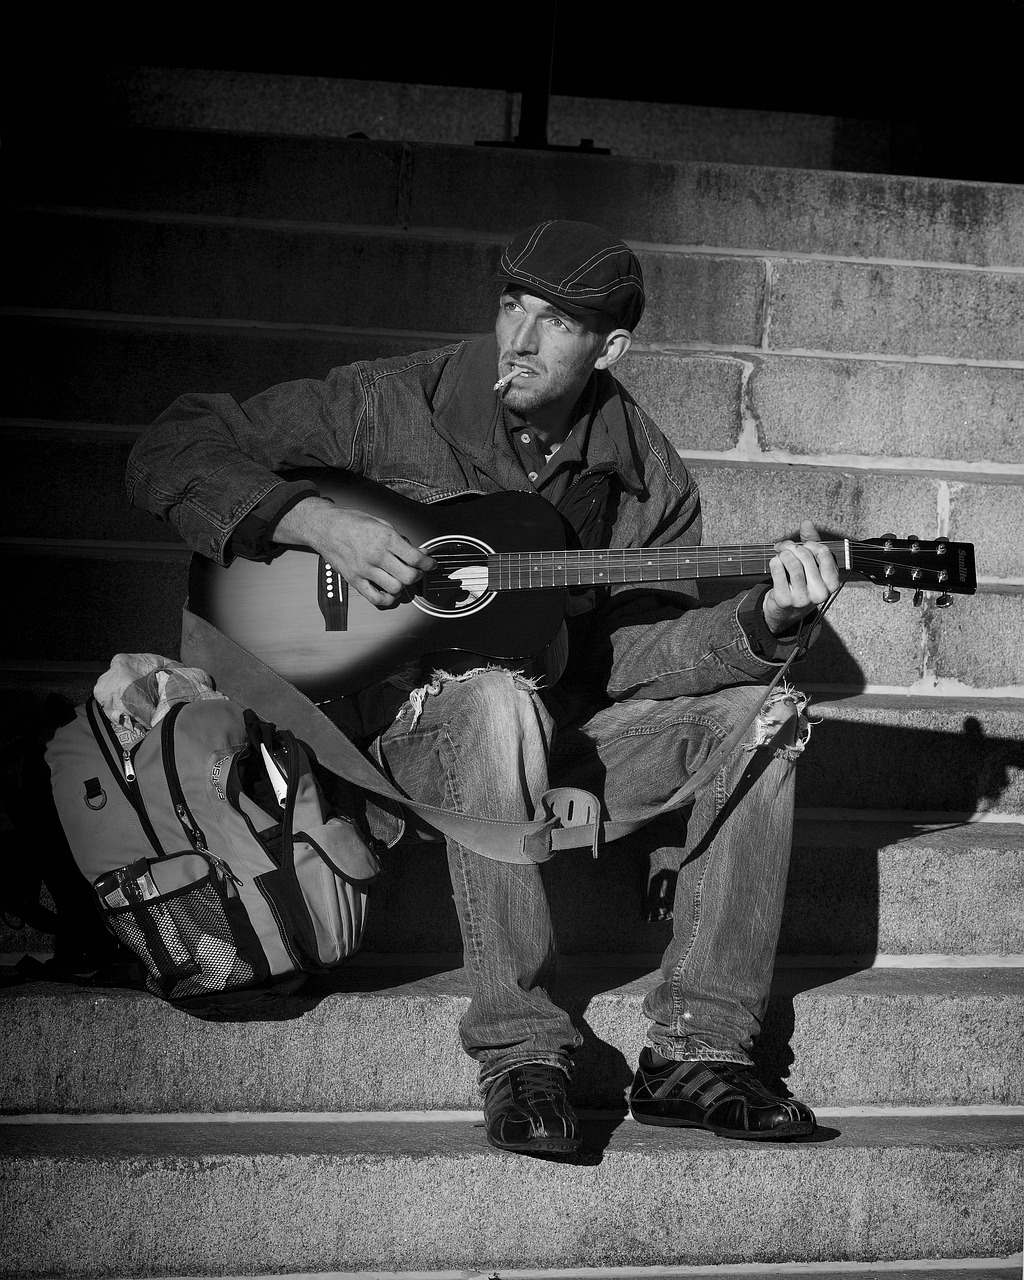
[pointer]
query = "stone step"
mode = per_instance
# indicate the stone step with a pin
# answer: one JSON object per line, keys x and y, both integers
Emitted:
{"x": 126, "y": 372}
{"x": 856, "y": 889}
{"x": 96, "y": 370}
{"x": 400, "y": 184}
{"x": 256, "y": 1197}
{"x": 156, "y": 265}
{"x": 383, "y": 1037}
{"x": 918, "y": 754}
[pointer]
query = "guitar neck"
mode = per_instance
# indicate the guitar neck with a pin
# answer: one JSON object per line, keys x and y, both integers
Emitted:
{"x": 532, "y": 570}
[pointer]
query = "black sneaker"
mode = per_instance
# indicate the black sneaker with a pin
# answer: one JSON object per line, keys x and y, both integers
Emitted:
{"x": 525, "y": 1109}
{"x": 723, "y": 1097}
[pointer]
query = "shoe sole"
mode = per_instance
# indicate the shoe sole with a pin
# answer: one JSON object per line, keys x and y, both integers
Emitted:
{"x": 541, "y": 1147}
{"x": 798, "y": 1129}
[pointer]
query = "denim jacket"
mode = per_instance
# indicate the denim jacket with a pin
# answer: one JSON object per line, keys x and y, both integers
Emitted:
{"x": 428, "y": 425}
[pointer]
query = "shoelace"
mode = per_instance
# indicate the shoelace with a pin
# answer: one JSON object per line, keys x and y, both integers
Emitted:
{"x": 536, "y": 1081}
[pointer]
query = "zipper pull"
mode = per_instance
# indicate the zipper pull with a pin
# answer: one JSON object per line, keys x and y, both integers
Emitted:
{"x": 198, "y": 839}
{"x": 223, "y": 869}
{"x": 129, "y": 768}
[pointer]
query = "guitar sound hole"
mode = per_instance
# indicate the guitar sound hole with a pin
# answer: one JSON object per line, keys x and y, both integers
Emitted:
{"x": 459, "y": 584}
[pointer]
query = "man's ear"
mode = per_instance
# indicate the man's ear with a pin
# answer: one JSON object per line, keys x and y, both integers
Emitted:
{"x": 616, "y": 344}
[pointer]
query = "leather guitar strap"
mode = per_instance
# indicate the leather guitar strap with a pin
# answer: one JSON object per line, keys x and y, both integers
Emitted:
{"x": 572, "y": 816}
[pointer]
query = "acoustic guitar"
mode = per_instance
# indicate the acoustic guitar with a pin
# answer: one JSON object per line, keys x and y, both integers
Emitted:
{"x": 499, "y": 590}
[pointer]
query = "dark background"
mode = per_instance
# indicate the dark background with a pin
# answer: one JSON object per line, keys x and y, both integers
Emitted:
{"x": 949, "y": 81}
{"x": 946, "y": 81}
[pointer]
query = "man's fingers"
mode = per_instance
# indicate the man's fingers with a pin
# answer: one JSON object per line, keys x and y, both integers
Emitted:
{"x": 797, "y": 576}
{"x": 401, "y": 572}
{"x": 385, "y": 581}
{"x": 824, "y": 559}
{"x": 396, "y": 550}
{"x": 809, "y": 565}
{"x": 804, "y": 574}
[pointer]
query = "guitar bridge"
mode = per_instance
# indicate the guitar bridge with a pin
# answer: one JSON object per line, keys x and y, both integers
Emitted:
{"x": 332, "y": 597}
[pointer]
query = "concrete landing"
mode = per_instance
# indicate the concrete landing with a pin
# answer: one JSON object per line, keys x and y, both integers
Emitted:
{"x": 203, "y": 1199}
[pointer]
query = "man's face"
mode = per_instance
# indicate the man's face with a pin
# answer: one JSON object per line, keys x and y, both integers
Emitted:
{"x": 556, "y": 352}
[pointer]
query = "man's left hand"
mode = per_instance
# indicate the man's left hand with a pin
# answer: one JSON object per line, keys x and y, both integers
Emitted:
{"x": 804, "y": 575}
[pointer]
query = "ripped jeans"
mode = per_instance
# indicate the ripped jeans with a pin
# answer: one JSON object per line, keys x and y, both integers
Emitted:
{"x": 487, "y": 744}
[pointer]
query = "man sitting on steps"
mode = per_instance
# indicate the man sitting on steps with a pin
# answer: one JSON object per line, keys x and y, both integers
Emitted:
{"x": 653, "y": 683}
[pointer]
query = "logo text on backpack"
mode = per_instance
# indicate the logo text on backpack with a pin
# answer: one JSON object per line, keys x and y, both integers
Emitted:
{"x": 219, "y": 767}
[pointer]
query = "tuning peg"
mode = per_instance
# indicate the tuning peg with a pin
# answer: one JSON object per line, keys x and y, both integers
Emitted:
{"x": 943, "y": 601}
{"x": 890, "y": 595}
{"x": 918, "y": 597}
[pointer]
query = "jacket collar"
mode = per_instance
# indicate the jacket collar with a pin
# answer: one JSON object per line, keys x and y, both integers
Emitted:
{"x": 467, "y": 413}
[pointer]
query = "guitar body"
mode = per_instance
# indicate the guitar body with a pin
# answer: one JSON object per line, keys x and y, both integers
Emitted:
{"x": 305, "y": 623}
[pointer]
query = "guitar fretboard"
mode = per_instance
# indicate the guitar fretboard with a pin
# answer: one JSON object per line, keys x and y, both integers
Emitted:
{"x": 530, "y": 570}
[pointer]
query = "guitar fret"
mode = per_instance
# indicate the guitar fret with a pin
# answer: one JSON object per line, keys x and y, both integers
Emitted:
{"x": 538, "y": 569}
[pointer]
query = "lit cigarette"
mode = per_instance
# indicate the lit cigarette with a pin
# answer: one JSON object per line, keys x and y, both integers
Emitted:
{"x": 502, "y": 383}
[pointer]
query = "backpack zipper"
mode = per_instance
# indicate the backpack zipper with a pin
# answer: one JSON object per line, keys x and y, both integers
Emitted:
{"x": 125, "y": 776}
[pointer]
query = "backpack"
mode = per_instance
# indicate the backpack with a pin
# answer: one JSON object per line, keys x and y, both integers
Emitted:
{"x": 211, "y": 848}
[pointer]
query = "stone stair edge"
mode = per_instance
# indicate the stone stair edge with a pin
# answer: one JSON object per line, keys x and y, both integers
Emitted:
{"x": 996, "y": 1268}
{"x": 414, "y": 1130}
{"x": 32, "y": 430}
{"x": 725, "y": 466}
{"x": 418, "y": 175}
{"x": 694, "y": 297}
{"x": 838, "y": 1042}
{"x": 75, "y": 681}
{"x": 59, "y": 132}
{"x": 443, "y": 977}
{"x": 652, "y": 251}
{"x": 395, "y": 1196}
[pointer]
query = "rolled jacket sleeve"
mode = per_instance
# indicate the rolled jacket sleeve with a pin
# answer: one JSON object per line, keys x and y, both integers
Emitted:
{"x": 253, "y": 537}
{"x": 668, "y": 646}
{"x": 208, "y": 463}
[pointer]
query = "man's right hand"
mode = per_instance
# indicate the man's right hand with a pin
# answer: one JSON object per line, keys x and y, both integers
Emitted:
{"x": 370, "y": 554}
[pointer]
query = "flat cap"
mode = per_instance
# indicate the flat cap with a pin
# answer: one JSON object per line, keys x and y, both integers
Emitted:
{"x": 581, "y": 268}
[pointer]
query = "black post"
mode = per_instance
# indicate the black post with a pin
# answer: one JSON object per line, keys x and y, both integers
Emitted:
{"x": 536, "y": 92}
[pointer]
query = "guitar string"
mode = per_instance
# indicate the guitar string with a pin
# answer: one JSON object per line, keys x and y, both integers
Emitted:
{"x": 746, "y": 551}
{"x": 542, "y": 560}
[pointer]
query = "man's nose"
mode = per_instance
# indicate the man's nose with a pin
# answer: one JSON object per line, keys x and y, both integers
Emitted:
{"x": 524, "y": 338}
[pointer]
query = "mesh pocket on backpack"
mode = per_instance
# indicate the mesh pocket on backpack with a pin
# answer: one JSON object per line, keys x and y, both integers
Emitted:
{"x": 185, "y": 939}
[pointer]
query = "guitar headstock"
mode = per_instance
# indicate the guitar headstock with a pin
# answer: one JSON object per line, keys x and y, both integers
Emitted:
{"x": 940, "y": 566}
